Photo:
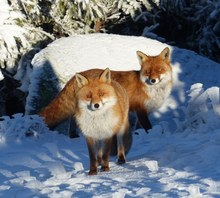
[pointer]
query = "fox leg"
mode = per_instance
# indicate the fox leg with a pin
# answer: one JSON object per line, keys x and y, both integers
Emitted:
{"x": 121, "y": 149}
{"x": 72, "y": 128}
{"x": 144, "y": 120}
{"x": 127, "y": 139}
{"x": 106, "y": 154}
{"x": 92, "y": 156}
{"x": 99, "y": 157}
{"x": 100, "y": 152}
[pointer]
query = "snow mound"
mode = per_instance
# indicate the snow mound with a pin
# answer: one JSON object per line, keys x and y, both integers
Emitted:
{"x": 21, "y": 126}
{"x": 203, "y": 111}
{"x": 57, "y": 63}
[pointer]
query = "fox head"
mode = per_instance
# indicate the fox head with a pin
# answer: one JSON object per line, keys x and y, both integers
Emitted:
{"x": 95, "y": 94}
{"x": 155, "y": 69}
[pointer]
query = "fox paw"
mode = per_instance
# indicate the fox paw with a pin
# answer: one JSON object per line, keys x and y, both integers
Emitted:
{"x": 121, "y": 161}
{"x": 105, "y": 168}
{"x": 93, "y": 172}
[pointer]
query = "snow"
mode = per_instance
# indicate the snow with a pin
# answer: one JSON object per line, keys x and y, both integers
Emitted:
{"x": 4, "y": 11}
{"x": 1, "y": 76}
{"x": 178, "y": 158}
{"x": 10, "y": 35}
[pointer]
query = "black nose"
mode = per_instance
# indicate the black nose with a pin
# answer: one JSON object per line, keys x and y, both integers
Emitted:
{"x": 153, "y": 81}
{"x": 96, "y": 105}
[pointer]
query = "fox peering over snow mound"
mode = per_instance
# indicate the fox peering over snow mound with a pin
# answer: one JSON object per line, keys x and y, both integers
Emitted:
{"x": 147, "y": 90}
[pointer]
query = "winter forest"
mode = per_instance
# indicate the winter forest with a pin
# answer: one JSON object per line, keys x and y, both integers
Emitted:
{"x": 43, "y": 43}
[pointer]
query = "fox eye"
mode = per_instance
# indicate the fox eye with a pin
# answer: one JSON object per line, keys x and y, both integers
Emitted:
{"x": 89, "y": 95}
{"x": 101, "y": 94}
{"x": 161, "y": 70}
{"x": 147, "y": 73}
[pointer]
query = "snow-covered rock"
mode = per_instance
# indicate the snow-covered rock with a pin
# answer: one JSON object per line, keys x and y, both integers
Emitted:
{"x": 57, "y": 63}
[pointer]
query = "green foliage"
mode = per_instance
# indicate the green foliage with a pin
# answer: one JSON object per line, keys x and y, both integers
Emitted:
{"x": 38, "y": 21}
{"x": 47, "y": 88}
{"x": 192, "y": 24}
{"x": 199, "y": 19}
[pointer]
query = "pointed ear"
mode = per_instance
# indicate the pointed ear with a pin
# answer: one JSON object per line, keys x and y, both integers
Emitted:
{"x": 142, "y": 57}
{"x": 106, "y": 76}
{"x": 81, "y": 80}
{"x": 165, "y": 54}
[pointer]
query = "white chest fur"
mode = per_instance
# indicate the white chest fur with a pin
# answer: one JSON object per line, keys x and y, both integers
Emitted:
{"x": 97, "y": 124}
{"x": 157, "y": 93}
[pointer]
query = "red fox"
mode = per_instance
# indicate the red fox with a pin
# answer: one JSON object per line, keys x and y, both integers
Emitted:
{"x": 102, "y": 107}
{"x": 147, "y": 90}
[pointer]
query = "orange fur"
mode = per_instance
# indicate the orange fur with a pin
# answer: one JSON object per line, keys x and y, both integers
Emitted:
{"x": 144, "y": 95}
{"x": 101, "y": 113}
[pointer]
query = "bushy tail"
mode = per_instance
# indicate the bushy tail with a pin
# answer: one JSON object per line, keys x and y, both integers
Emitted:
{"x": 60, "y": 108}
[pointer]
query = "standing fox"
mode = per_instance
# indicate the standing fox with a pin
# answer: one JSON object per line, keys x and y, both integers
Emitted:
{"x": 147, "y": 90}
{"x": 101, "y": 112}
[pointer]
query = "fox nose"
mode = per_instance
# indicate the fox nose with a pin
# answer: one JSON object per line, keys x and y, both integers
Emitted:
{"x": 96, "y": 105}
{"x": 153, "y": 81}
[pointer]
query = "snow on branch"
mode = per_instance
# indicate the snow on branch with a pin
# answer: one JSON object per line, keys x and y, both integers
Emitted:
{"x": 203, "y": 110}
{"x": 16, "y": 34}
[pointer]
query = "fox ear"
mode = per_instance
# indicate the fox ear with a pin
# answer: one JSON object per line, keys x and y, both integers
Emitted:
{"x": 165, "y": 54}
{"x": 106, "y": 76}
{"x": 81, "y": 80}
{"x": 142, "y": 57}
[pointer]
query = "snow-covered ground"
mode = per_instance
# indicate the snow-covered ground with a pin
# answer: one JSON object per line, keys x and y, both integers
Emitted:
{"x": 178, "y": 158}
